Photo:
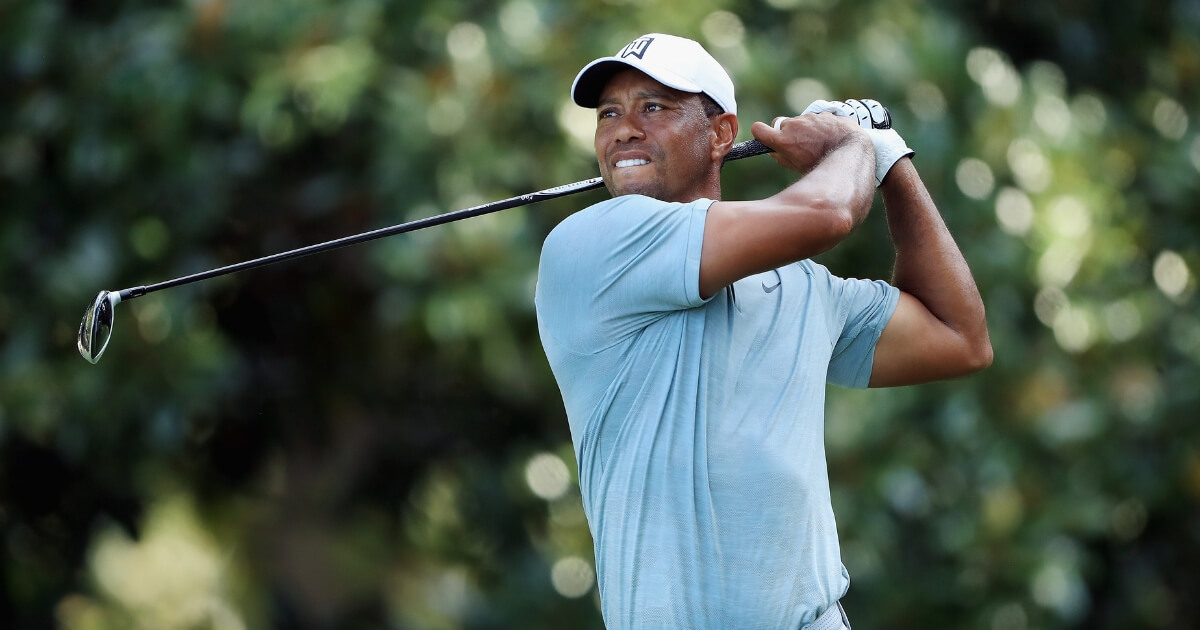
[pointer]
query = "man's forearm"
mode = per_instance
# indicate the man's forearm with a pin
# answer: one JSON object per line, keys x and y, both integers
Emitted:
{"x": 805, "y": 219}
{"x": 840, "y": 180}
{"x": 929, "y": 265}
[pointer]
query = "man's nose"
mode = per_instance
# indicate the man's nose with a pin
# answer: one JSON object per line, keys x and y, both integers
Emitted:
{"x": 629, "y": 128}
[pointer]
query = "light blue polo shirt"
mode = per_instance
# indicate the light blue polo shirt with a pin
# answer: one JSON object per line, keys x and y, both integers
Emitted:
{"x": 698, "y": 425}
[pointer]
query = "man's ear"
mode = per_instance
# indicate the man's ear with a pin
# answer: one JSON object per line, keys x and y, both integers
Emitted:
{"x": 724, "y": 132}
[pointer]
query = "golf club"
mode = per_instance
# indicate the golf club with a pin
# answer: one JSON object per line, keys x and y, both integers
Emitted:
{"x": 96, "y": 327}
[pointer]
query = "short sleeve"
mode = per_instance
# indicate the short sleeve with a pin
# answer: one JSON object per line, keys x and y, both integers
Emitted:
{"x": 859, "y": 310}
{"x": 614, "y": 268}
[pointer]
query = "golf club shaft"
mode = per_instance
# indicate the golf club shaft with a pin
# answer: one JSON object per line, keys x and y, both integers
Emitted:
{"x": 740, "y": 150}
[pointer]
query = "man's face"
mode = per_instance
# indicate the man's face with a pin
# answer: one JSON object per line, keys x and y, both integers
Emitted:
{"x": 653, "y": 140}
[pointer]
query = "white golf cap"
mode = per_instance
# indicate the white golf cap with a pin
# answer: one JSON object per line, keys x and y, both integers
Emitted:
{"x": 675, "y": 62}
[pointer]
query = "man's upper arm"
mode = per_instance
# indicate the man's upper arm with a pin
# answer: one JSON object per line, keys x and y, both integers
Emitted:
{"x": 917, "y": 347}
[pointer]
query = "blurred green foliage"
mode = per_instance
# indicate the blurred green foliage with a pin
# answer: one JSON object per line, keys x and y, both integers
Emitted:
{"x": 372, "y": 438}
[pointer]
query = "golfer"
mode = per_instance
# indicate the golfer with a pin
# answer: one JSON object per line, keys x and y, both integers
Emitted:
{"x": 692, "y": 339}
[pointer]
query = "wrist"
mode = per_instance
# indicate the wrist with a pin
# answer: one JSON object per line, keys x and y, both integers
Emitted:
{"x": 901, "y": 170}
{"x": 856, "y": 139}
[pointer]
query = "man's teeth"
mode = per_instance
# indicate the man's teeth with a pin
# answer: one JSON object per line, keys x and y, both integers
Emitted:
{"x": 624, "y": 163}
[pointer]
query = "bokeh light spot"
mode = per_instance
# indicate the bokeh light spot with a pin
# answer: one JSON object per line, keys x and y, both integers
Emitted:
{"x": 1089, "y": 113}
{"x": 1048, "y": 303}
{"x": 1060, "y": 262}
{"x": 1069, "y": 217}
{"x": 466, "y": 40}
{"x": 1171, "y": 274}
{"x": 1047, "y": 78}
{"x": 995, "y": 75}
{"x": 801, "y": 92}
{"x": 547, "y": 476}
{"x": 974, "y": 178}
{"x": 1052, "y": 116}
{"x": 522, "y": 26}
{"x": 330, "y": 78}
{"x": 1170, "y": 118}
{"x": 1029, "y": 165}
{"x": 446, "y": 116}
{"x": 580, "y": 125}
{"x": 926, "y": 101}
{"x": 1060, "y": 589}
{"x": 1014, "y": 211}
{"x": 884, "y": 47}
{"x": 468, "y": 47}
{"x": 572, "y": 577}
{"x": 723, "y": 29}
{"x": 980, "y": 61}
{"x": 1122, "y": 320}
{"x": 1073, "y": 329}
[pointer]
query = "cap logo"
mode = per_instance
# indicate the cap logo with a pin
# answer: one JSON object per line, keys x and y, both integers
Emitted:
{"x": 636, "y": 48}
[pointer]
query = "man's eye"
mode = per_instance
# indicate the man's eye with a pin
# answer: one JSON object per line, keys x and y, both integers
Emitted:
{"x": 654, "y": 107}
{"x": 607, "y": 113}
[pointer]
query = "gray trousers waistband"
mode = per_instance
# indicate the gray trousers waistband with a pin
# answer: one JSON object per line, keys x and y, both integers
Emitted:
{"x": 834, "y": 618}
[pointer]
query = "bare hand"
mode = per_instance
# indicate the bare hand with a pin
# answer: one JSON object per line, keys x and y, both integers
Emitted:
{"x": 801, "y": 142}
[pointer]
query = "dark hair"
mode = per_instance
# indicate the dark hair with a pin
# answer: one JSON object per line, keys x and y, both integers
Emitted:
{"x": 711, "y": 108}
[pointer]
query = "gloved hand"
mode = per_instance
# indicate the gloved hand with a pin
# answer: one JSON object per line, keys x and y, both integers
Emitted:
{"x": 875, "y": 118}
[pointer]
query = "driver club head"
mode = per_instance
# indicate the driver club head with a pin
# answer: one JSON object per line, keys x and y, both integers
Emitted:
{"x": 96, "y": 327}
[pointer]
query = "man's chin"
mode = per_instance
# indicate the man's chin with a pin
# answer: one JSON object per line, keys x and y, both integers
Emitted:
{"x": 635, "y": 188}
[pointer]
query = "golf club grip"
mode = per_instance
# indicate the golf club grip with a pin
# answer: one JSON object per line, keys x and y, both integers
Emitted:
{"x": 747, "y": 149}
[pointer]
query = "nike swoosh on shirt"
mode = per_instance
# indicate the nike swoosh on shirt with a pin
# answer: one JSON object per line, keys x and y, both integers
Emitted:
{"x": 771, "y": 288}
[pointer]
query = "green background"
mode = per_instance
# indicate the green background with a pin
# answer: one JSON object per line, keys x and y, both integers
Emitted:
{"x": 372, "y": 438}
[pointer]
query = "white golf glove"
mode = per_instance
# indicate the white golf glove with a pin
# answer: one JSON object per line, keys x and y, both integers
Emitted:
{"x": 837, "y": 108}
{"x": 875, "y": 118}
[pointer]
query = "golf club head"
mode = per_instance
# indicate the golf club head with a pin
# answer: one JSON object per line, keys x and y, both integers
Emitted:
{"x": 96, "y": 327}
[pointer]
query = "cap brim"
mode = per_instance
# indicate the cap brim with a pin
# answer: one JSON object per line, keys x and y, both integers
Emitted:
{"x": 591, "y": 80}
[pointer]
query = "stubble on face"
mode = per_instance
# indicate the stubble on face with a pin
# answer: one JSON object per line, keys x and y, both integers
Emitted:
{"x": 653, "y": 140}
